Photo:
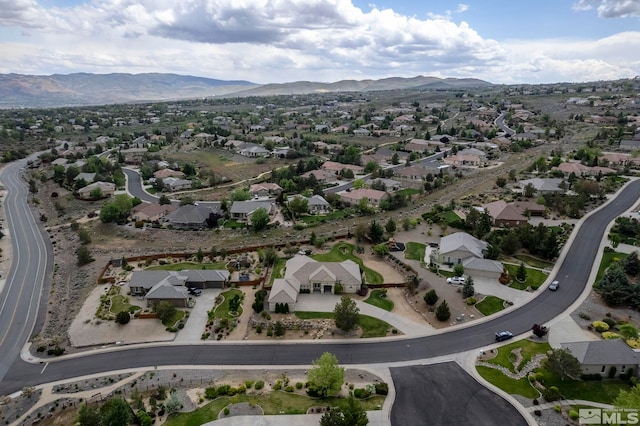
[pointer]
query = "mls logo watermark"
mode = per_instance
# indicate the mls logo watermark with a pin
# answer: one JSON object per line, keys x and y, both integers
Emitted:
{"x": 614, "y": 416}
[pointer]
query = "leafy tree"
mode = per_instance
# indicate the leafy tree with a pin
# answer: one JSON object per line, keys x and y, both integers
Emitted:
{"x": 431, "y": 297}
{"x": 539, "y": 330}
{"x": 563, "y": 364}
{"x": 361, "y": 232}
{"x": 628, "y": 331}
{"x": 173, "y": 403}
{"x": 521, "y": 273}
{"x": 529, "y": 190}
{"x": 259, "y": 219}
{"x": 269, "y": 256}
{"x": 468, "y": 290}
{"x": 381, "y": 249}
{"x": 299, "y": 205}
{"x": 144, "y": 418}
{"x": 115, "y": 412}
{"x": 235, "y": 302}
{"x": 165, "y": 311}
{"x": 118, "y": 209}
{"x": 628, "y": 399}
{"x": 614, "y": 286}
{"x": 458, "y": 270}
{"x": 501, "y": 181}
{"x": 84, "y": 255}
{"x": 123, "y": 317}
{"x": 163, "y": 200}
{"x": 375, "y": 232}
{"x": 346, "y": 314}
{"x": 88, "y": 415}
{"x": 326, "y": 376}
{"x": 631, "y": 264}
{"x": 278, "y": 327}
{"x": 390, "y": 226}
{"x": 442, "y": 311}
{"x": 350, "y": 415}
{"x": 395, "y": 160}
{"x": 240, "y": 195}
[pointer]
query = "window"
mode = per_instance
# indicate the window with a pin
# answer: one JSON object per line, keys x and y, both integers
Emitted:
{"x": 602, "y": 371}
{"x": 622, "y": 369}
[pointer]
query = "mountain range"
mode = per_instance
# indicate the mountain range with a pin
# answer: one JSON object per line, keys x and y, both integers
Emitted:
{"x": 28, "y": 91}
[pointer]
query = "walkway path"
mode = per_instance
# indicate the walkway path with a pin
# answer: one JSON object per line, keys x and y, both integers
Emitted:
{"x": 327, "y": 302}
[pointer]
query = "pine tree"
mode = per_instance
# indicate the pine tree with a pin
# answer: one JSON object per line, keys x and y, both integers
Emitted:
{"x": 442, "y": 311}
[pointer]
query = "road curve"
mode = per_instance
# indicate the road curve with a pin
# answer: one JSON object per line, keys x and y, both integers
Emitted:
{"x": 574, "y": 273}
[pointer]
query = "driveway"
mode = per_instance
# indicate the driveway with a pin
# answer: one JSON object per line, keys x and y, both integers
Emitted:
{"x": 198, "y": 318}
{"x": 444, "y": 394}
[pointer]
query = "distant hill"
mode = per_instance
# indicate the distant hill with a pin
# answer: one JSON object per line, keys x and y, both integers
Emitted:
{"x": 18, "y": 90}
{"x": 392, "y": 83}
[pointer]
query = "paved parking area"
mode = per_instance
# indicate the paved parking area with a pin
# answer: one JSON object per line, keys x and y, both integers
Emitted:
{"x": 198, "y": 318}
{"x": 444, "y": 394}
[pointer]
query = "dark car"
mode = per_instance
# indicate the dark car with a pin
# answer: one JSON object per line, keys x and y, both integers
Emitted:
{"x": 554, "y": 285}
{"x": 503, "y": 335}
{"x": 195, "y": 291}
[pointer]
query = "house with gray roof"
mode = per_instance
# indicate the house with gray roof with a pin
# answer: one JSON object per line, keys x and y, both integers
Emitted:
{"x": 176, "y": 184}
{"x": 485, "y": 268}
{"x": 542, "y": 186}
{"x": 165, "y": 292}
{"x": 107, "y": 189}
{"x": 316, "y": 204}
{"x": 242, "y": 210}
{"x": 599, "y": 356}
{"x": 458, "y": 247}
{"x": 87, "y": 177}
{"x": 304, "y": 274}
{"x": 629, "y": 144}
{"x": 191, "y": 216}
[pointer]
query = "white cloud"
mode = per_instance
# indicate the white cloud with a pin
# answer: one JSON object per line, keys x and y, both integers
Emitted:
{"x": 611, "y": 8}
{"x": 285, "y": 40}
{"x": 462, "y": 8}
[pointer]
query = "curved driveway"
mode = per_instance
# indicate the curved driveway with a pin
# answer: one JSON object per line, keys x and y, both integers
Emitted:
{"x": 574, "y": 273}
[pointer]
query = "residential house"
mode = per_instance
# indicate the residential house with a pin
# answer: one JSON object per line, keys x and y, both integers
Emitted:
{"x": 543, "y": 186}
{"x": 322, "y": 176}
{"x": 304, "y": 274}
{"x": 530, "y": 208}
{"x": 265, "y": 189}
{"x": 413, "y": 172}
{"x": 336, "y": 168}
{"x": 242, "y": 210}
{"x": 504, "y": 214}
{"x": 456, "y": 248}
{"x": 373, "y": 196}
{"x": 482, "y": 268}
{"x": 173, "y": 286}
{"x": 166, "y": 173}
{"x": 467, "y": 157}
{"x": 362, "y": 132}
{"x": 176, "y": 184}
{"x": 390, "y": 185}
{"x": 254, "y": 151}
{"x": 151, "y": 212}
{"x": 192, "y": 216}
{"x": 600, "y": 356}
{"x": 107, "y": 189}
{"x": 316, "y": 204}
{"x": 87, "y": 177}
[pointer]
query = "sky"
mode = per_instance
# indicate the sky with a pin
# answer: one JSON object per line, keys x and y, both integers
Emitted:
{"x": 277, "y": 41}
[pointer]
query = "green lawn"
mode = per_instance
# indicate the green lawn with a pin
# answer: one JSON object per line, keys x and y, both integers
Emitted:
{"x": 518, "y": 387}
{"x": 535, "y": 277}
{"x": 607, "y": 259}
{"x": 334, "y": 215}
{"x": 222, "y": 310}
{"x": 371, "y": 327}
{"x": 187, "y": 265}
{"x": 344, "y": 251}
{"x": 376, "y": 299}
{"x": 490, "y": 305}
{"x": 450, "y": 216}
{"x": 171, "y": 322}
{"x": 528, "y": 349}
{"x": 604, "y": 391}
{"x": 121, "y": 303}
{"x": 408, "y": 191}
{"x": 273, "y": 403}
{"x": 533, "y": 261}
{"x": 277, "y": 271}
{"x": 415, "y": 251}
{"x": 234, "y": 224}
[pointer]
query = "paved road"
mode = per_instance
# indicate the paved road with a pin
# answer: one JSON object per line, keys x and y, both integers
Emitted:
{"x": 21, "y": 298}
{"x": 503, "y": 126}
{"x": 444, "y": 394}
{"x": 573, "y": 272}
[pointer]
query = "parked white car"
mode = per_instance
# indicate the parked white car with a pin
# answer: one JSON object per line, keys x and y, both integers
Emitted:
{"x": 456, "y": 280}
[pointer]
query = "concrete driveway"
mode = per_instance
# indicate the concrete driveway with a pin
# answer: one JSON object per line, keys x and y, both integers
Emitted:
{"x": 198, "y": 318}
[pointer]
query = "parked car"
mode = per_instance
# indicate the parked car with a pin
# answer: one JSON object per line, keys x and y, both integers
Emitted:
{"x": 554, "y": 285}
{"x": 456, "y": 280}
{"x": 503, "y": 335}
{"x": 195, "y": 292}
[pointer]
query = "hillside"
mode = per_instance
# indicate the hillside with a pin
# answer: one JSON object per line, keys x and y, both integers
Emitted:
{"x": 24, "y": 91}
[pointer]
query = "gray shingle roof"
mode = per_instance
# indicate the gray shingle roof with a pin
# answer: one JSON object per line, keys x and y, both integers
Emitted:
{"x": 462, "y": 241}
{"x": 603, "y": 352}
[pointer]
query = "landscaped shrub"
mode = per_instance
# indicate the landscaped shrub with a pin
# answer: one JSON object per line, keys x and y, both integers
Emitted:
{"x": 587, "y": 377}
{"x": 600, "y": 326}
{"x": 223, "y": 390}
{"x": 557, "y": 408}
{"x": 382, "y": 388}
{"x": 277, "y": 385}
{"x": 288, "y": 389}
{"x": 431, "y": 297}
{"x": 259, "y": 385}
{"x": 471, "y": 301}
{"x": 210, "y": 393}
{"x": 361, "y": 393}
{"x": 226, "y": 411}
{"x": 248, "y": 384}
{"x": 609, "y": 335}
{"x": 610, "y": 322}
{"x": 299, "y": 385}
{"x": 551, "y": 393}
{"x": 573, "y": 415}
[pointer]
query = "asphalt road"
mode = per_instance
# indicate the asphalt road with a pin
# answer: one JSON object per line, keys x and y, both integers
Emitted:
{"x": 501, "y": 124}
{"x": 573, "y": 274}
{"x": 445, "y": 394}
{"x": 32, "y": 256}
